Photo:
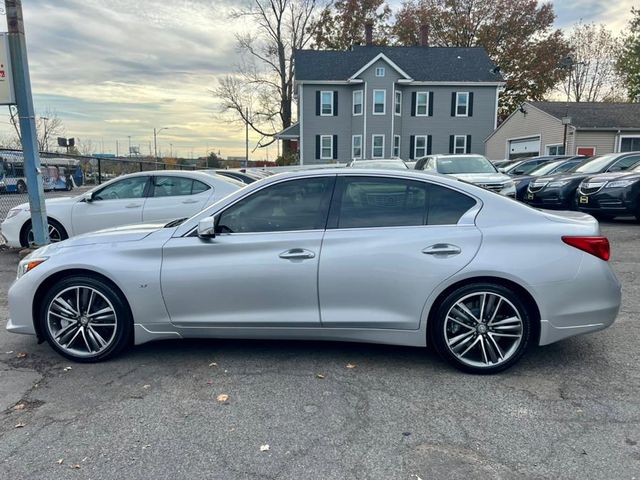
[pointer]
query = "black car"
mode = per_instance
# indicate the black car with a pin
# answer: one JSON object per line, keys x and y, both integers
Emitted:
{"x": 611, "y": 194}
{"x": 559, "y": 191}
{"x": 565, "y": 165}
{"x": 524, "y": 166}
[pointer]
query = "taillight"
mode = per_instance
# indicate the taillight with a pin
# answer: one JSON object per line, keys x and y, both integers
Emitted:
{"x": 598, "y": 246}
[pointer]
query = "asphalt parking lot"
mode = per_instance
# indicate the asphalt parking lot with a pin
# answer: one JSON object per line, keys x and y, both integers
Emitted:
{"x": 326, "y": 410}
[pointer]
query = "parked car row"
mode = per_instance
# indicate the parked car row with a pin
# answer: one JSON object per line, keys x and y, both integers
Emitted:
{"x": 605, "y": 186}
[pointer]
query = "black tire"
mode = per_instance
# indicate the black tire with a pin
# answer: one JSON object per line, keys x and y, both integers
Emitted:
{"x": 21, "y": 187}
{"x": 438, "y": 332}
{"x": 26, "y": 229}
{"x": 124, "y": 320}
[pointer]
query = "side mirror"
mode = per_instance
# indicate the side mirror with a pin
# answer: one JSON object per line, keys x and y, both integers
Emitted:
{"x": 207, "y": 227}
{"x": 87, "y": 197}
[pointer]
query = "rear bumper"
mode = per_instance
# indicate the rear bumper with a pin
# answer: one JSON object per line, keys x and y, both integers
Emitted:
{"x": 588, "y": 303}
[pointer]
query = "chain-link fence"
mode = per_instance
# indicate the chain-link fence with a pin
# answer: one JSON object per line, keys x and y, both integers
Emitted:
{"x": 65, "y": 175}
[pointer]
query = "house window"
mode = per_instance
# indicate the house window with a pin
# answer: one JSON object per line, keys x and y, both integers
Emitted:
{"x": 460, "y": 144}
{"x": 420, "y": 147}
{"x": 326, "y": 103}
{"x": 629, "y": 143}
{"x": 326, "y": 147}
{"x": 379, "y": 101}
{"x": 462, "y": 104}
{"x": 377, "y": 146}
{"x": 380, "y": 72}
{"x": 357, "y": 102}
{"x": 422, "y": 104}
{"x": 356, "y": 146}
{"x": 398, "y": 103}
{"x": 396, "y": 146}
{"x": 555, "y": 149}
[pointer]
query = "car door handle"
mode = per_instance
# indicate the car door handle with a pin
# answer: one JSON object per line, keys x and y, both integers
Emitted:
{"x": 189, "y": 201}
{"x": 133, "y": 205}
{"x": 297, "y": 254}
{"x": 442, "y": 249}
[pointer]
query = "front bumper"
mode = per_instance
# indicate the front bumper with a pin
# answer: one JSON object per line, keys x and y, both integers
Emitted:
{"x": 11, "y": 230}
{"x": 614, "y": 201}
{"x": 553, "y": 198}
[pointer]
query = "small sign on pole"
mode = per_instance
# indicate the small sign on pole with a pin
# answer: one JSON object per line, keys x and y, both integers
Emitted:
{"x": 7, "y": 95}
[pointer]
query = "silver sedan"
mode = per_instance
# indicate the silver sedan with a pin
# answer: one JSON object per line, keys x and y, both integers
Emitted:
{"x": 354, "y": 255}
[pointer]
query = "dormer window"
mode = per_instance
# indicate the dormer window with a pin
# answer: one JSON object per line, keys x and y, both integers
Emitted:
{"x": 380, "y": 72}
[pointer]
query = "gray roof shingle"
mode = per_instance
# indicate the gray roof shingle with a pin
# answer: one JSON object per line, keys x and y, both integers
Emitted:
{"x": 427, "y": 64}
{"x": 595, "y": 115}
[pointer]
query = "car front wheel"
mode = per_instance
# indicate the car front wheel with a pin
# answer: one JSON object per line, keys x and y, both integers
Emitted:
{"x": 482, "y": 328}
{"x": 85, "y": 319}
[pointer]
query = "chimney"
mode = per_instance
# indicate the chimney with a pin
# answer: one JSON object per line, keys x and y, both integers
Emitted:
{"x": 368, "y": 34}
{"x": 424, "y": 35}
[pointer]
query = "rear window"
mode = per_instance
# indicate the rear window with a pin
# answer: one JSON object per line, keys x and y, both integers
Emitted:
{"x": 447, "y": 206}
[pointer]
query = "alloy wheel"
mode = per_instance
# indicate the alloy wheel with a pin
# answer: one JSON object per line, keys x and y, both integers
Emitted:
{"x": 54, "y": 235}
{"x": 483, "y": 329}
{"x": 82, "y": 321}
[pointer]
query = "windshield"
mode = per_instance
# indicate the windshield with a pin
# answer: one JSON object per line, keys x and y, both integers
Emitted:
{"x": 466, "y": 164}
{"x": 595, "y": 165}
{"x": 546, "y": 168}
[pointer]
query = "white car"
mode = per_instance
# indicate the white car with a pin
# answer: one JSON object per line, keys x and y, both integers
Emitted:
{"x": 474, "y": 169}
{"x": 139, "y": 197}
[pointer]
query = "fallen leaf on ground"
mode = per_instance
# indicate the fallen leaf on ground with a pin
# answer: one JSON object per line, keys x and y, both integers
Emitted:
{"x": 144, "y": 447}
{"x": 264, "y": 448}
{"x": 20, "y": 406}
{"x": 213, "y": 364}
{"x": 319, "y": 375}
{"x": 209, "y": 382}
{"x": 146, "y": 386}
{"x": 76, "y": 466}
{"x": 60, "y": 462}
{"x": 66, "y": 369}
{"x": 20, "y": 425}
{"x": 223, "y": 397}
{"x": 21, "y": 354}
{"x": 9, "y": 352}
{"x": 351, "y": 365}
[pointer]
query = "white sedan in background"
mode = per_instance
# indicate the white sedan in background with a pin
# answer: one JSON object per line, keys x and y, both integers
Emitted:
{"x": 129, "y": 199}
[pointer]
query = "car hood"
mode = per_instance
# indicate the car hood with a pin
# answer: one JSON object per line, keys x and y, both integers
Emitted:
{"x": 51, "y": 201}
{"x": 481, "y": 177}
{"x": 606, "y": 177}
{"x": 567, "y": 176}
{"x": 127, "y": 233}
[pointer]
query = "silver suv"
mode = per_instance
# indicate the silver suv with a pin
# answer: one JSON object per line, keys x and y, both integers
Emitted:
{"x": 474, "y": 169}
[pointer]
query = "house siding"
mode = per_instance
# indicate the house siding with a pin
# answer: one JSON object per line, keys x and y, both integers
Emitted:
{"x": 602, "y": 141}
{"x": 441, "y": 125}
{"x": 535, "y": 123}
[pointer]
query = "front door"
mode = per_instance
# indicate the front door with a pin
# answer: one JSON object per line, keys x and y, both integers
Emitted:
{"x": 116, "y": 204}
{"x": 261, "y": 269}
{"x": 389, "y": 243}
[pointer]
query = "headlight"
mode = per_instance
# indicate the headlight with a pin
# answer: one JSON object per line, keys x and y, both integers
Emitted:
{"x": 508, "y": 185}
{"x": 14, "y": 211}
{"x": 621, "y": 183}
{"x": 558, "y": 183}
{"x": 29, "y": 264}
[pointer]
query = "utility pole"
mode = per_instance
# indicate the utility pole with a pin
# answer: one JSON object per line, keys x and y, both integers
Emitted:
{"x": 129, "y": 145}
{"x": 24, "y": 100}
{"x": 117, "y": 153}
{"x": 155, "y": 143}
{"x": 46, "y": 139}
{"x": 246, "y": 137}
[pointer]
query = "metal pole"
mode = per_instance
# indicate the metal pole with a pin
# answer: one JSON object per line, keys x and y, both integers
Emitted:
{"x": 246, "y": 141}
{"x": 117, "y": 153}
{"x": 99, "y": 172}
{"x": 24, "y": 100}
{"x": 155, "y": 144}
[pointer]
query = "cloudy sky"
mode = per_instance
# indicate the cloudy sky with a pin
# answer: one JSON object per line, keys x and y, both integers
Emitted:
{"x": 111, "y": 69}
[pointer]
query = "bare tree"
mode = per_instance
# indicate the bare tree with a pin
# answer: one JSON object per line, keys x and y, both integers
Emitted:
{"x": 48, "y": 125}
{"x": 593, "y": 77}
{"x": 260, "y": 92}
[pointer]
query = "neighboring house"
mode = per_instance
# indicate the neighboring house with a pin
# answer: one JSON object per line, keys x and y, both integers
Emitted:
{"x": 381, "y": 102}
{"x": 592, "y": 128}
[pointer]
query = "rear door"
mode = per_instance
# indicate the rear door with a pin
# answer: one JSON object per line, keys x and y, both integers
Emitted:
{"x": 173, "y": 197}
{"x": 389, "y": 243}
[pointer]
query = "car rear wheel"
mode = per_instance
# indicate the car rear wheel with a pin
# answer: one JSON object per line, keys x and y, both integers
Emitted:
{"x": 85, "y": 319}
{"x": 482, "y": 328}
{"x": 57, "y": 233}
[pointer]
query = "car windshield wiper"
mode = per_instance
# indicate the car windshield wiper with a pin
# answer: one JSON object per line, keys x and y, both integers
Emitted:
{"x": 175, "y": 223}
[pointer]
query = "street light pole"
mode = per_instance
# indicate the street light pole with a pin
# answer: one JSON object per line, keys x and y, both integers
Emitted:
{"x": 26, "y": 115}
{"x": 155, "y": 143}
